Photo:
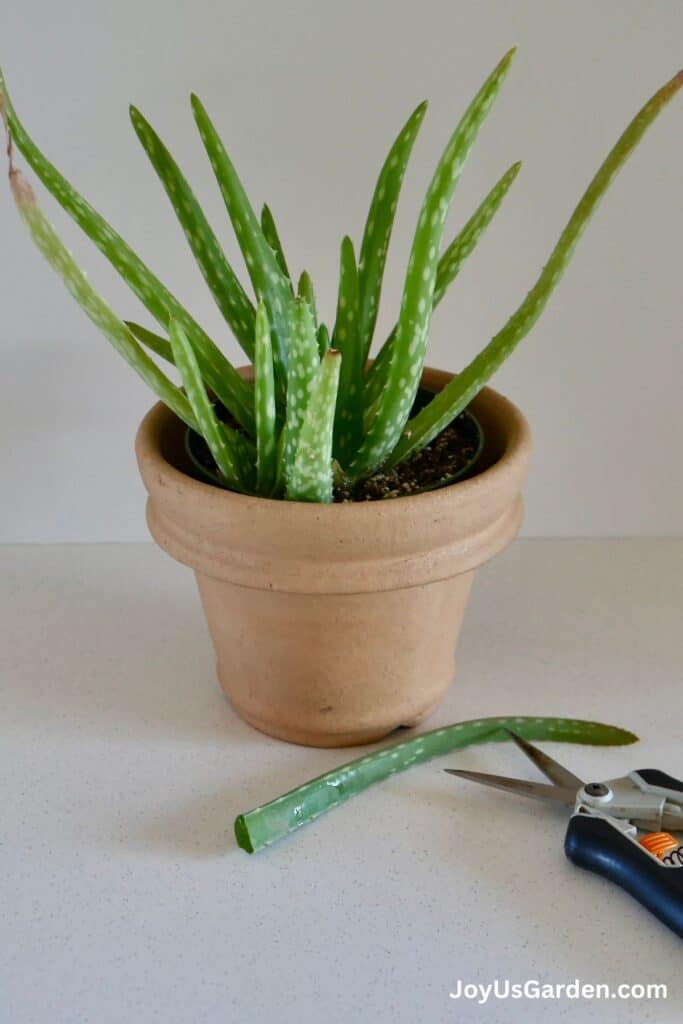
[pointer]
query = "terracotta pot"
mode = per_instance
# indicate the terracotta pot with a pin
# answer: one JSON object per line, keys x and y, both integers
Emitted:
{"x": 334, "y": 624}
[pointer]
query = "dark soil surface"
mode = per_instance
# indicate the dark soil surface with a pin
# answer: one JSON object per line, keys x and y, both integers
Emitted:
{"x": 434, "y": 466}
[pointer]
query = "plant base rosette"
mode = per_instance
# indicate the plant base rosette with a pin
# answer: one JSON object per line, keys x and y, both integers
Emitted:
{"x": 334, "y": 624}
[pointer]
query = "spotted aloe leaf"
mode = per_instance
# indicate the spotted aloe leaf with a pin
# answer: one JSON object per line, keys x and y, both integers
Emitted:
{"x": 154, "y": 342}
{"x": 462, "y": 389}
{"x": 311, "y": 478}
{"x": 270, "y": 233}
{"x": 60, "y": 259}
{"x": 348, "y": 424}
{"x": 242, "y": 445}
{"x": 378, "y": 227}
{"x": 268, "y": 280}
{"x": 226, "y": 383}
{"x": 305, "y": 290}
{"x": 447, "y": 270}
{"x": 283, "y": 815}
{"x": 323, "y": 339}
{"x": 304, "y": 361}
{"x": 264, "y": 392}
{"x": 217, "y": 436}
{"x": 405, "y": 368}
{"x": 466, "y": 240}
{"x": 217, "y": 272}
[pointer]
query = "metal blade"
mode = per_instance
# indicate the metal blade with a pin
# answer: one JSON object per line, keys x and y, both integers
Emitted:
{"x": 551, "y": 769}
{"x": 535, "y": 790}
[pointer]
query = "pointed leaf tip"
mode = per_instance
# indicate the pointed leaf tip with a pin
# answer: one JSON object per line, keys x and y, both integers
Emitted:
{"x": 674, "y": 84}
{"x": 347, "y": 246}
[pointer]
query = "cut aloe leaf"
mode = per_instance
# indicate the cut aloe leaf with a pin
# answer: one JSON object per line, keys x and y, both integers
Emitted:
{"x": 272, "y": 821}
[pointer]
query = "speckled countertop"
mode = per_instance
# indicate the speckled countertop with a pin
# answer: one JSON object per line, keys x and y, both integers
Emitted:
{"x": 124, "y": 899}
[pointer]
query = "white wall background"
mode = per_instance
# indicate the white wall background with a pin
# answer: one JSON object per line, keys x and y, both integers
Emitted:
{"x": 309, "y": 94}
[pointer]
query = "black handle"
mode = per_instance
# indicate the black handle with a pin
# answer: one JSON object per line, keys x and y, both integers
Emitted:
{"x": 654, "y": 777}
{"x": 594, "y": 844}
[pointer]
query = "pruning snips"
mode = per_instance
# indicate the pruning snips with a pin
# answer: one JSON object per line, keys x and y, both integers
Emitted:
{"x": 620, "y": 829}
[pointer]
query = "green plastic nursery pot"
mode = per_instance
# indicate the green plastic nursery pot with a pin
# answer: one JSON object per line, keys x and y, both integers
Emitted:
{"x": 335, "y": 624}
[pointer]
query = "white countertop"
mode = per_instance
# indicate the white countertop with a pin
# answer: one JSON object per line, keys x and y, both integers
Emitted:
{"x": 124, "y": 898}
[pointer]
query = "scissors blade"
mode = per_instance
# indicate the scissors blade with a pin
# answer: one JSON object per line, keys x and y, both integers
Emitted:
{"x": 551, "y": 769}
{"x": 535, "y": 790}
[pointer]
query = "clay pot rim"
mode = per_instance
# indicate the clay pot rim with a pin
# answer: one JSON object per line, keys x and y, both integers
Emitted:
{"x": 159, "y": 418}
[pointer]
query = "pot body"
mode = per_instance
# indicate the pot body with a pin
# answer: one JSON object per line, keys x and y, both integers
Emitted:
{"x": 334, "y": 624}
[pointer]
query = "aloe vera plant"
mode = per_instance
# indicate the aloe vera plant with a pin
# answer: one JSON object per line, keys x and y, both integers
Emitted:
{"x": 315, "y": 409}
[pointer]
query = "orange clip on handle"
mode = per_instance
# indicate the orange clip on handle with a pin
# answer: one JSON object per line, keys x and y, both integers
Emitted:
{"x": 659, "y": 843}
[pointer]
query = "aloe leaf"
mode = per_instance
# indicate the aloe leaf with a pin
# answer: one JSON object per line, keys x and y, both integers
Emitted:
{"x": 405, "y": 368}
{"x": 447, "y": 270}
{"x": 459, "y": 392}
{"x": 60, "y": 259}
{"x": 227, "y": 384}
{"x": 306, "y": 291}
{"x": 209, "y": 426}
{"x": 278, "y": 818}
{"x": 264, "y": 393}
{"x": 323, "y": 339}
{"x": 303, "y": 366}
{"x": 154, "y": 342}
{"x": 272, "y": 237}
{"x": 348, "y": 424}
{"x": 268, "y": 280}
{"x": 466, "y": 240}
{"x": 245, "y": 450}
{"x": 310, "y": 478}
{"x": 379, "y": 224}
{"x": 227, "y": 291}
